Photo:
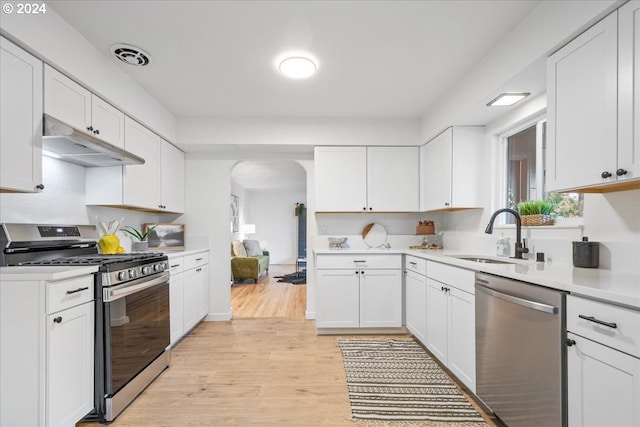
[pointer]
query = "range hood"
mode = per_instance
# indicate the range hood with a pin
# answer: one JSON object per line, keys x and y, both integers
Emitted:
{"x": 75, "y": 146}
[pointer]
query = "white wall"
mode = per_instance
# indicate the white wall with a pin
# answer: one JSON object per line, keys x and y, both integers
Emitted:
{"x": 272, "y": 211}
{"x": 50, "y": 38}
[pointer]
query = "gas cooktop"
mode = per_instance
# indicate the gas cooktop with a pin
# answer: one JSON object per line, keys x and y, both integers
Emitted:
{"x": 95, "y": 259}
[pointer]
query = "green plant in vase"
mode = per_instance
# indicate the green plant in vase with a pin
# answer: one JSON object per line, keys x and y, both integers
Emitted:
{"x": 140, "y": 242}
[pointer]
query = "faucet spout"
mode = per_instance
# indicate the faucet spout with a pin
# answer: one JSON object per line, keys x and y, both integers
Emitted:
{"x": 520, "y": 248}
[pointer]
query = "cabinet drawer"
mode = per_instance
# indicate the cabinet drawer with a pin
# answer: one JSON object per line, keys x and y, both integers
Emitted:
{"x": 176, "y": 265}
{"x": 624, "y": 337}
{"x": 454, "y": 276}
{"x": 68, "y": 293}
{"x": 418, "y": 265}
{"x": 196, "y": 260}
{"x": 341, "y": 261}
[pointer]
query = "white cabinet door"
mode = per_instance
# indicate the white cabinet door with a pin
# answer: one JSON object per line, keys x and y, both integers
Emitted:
{"x": 462, "y": 337}
{"x": 338, "y": 299}
{"x": 450, "y": 169}
{"x": 202, "y": 275}
{"x": 393, "y": 179}
{"x": 437, "y": 318}
{"x": 603, "y": 385}
{"x": 142, "y": 182}
{"x": 176, "y": 306}
{"x": 69, "y": 367}
{"x": 191, "y": 304}
{"x": 629, "y": 90}
{"x": 582, "y": 112}
{"x": 416, "y": 305}
{"x": 20, "y": 119}
{"x": 380, "y": 298}
{"x": 340, "y": 179}
{"x": 66, "y": 100}
{"x": 172, "y": 178}
{"x": 107, "y": 122}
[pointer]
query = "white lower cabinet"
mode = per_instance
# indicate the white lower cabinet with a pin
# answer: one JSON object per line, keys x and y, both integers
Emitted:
{"x": 47, "y": 353}
{"x": 451, "y": 320}
{"x": 188, "y": 292}
{"x": 603, "y": 364}
{"x": 356, "y": 291}
{"x": 415, "y": 285}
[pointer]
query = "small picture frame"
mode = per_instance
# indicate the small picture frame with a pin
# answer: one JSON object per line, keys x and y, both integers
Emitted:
{"x": 165, "y": 237}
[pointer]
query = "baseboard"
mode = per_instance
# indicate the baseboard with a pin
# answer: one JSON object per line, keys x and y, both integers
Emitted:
{"x": 218, "y": 317}
{"x": 310, "y": 315}
{"x": 361, "y": 331}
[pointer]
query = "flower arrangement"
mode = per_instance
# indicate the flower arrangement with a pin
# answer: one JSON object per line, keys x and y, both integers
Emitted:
{"x": 536, "y": 212}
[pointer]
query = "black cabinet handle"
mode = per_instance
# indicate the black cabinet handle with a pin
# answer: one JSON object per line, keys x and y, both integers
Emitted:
{"x": 599, "y": 322}
{"x": 570, "y": 342}
{"x": 175, "y": 265}
{"x": 370, "y": 209}
{"x": 90, "y": 128}
{"x": 97, "y": 131}
{"x": 77, "y": 290}
{"x": 446, "y": 203}
{"x": 57, "y": 319}
{"x": 606, "y": 174}
{"x": 199, "y": 259}
{"x": 357, "y": 272}
{"x": 40, "y": 186}
{"x": 364, "y": 208}
{"x": 621, "y": 172}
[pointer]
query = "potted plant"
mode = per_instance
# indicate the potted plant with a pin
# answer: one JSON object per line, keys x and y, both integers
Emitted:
{"x": 536, "y": 212}
{"x": 140, "y": 243}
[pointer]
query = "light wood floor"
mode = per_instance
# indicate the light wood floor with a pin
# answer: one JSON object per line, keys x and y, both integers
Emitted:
{"x": 269, "y": 298}
{"x": 249, "y": 372}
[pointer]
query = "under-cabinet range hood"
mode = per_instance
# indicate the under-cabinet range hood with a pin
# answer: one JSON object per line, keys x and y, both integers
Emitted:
{"x": 75, "y": 146}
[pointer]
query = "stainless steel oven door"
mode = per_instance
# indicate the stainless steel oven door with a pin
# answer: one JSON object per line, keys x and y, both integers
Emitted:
{"x": 137, "y": 330}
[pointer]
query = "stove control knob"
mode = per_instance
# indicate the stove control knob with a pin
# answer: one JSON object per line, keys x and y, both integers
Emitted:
{"x": 156, "y": 267}
{"x": 133, "y": 274}
{"x": 146, "y": 269}
{"x": 123, "y": 275}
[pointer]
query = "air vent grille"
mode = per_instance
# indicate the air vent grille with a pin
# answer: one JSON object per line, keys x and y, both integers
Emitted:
{"x": 131, "y": 55}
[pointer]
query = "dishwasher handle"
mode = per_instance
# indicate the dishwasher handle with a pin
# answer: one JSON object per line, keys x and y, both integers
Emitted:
{"x": 517, "y": 300}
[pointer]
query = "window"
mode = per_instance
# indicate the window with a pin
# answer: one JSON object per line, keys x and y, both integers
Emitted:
{"x": 523, "y": 153}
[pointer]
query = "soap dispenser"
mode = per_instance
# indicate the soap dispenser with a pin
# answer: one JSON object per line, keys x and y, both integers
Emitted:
{"x": 503, "y": 248}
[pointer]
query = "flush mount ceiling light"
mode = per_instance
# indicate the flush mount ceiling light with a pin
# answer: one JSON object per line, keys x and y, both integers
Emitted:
{"x": 130, "y": 54}
{"x": 297, "y": 66}
{"x": 508, "y": 98}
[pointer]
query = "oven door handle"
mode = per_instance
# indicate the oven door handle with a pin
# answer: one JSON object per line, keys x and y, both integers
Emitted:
{"x": 133, "y": 287}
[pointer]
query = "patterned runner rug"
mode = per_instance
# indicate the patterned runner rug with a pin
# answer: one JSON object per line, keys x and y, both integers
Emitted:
{"x": 395, "y": 380}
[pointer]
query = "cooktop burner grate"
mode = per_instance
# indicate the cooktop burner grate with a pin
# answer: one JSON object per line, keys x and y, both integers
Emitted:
{"x": 97, "y": 259}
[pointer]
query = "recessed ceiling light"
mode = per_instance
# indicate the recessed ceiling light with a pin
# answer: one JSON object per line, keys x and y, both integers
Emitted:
{"x": 508, "y": 98}
{"x": 297, "y": 66}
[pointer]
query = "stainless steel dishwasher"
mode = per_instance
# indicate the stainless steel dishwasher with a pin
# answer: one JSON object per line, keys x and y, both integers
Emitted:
{"x": 520, "y": 351}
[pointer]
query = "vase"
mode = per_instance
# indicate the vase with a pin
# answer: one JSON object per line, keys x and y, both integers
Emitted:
{"x": 140, "y": 246}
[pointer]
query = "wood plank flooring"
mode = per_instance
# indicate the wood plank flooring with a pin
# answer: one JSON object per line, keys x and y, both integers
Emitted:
{"x": 269, "y": 298}
{"x": 250, "y": 372}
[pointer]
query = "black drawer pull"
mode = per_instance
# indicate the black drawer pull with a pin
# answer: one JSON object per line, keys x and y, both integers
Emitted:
{"x": 570, "y": 342}
{"x": 413, "y": 263}
{"x": 77, "y": 290}
{"x": 199, "y": 259}
{"x": 57, "y": 319}
{"x": 599, "y": 322}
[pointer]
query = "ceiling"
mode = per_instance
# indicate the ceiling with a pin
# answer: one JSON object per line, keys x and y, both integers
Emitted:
{"x": 376, "y": 58}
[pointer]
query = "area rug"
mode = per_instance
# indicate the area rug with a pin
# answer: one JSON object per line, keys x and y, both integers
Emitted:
{"x": 299, "y": 278}
{"x": 395, "y": 381}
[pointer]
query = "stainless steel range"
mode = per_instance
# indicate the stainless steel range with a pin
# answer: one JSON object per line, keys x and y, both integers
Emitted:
{"x": 132, "y": 332}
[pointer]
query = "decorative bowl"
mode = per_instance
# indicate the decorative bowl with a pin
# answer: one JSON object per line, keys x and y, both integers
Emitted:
{"x": 336, "y": 242}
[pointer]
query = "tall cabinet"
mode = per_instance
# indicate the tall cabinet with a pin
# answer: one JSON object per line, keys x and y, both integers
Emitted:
{"x": 21, "y": 118}
{"x": 593, "y": 120}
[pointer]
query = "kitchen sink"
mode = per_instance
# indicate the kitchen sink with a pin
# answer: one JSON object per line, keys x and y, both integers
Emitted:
{"x": 485, "y": 260}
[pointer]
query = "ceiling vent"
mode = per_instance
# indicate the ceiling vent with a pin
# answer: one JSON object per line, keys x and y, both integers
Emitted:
{"x": 131, "y": 55}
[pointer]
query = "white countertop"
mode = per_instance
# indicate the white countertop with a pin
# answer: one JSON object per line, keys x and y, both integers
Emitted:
{"x": 621, "y": 288}
{"x": 50, "y": 273}
{"x": 176, "y": 254}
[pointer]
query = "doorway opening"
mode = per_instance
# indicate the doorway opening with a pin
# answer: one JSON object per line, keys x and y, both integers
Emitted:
{"x": 268, "y": 226}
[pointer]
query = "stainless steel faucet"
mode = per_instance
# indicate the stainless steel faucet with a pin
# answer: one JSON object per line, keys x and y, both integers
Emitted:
{"x": 520, "y": 247}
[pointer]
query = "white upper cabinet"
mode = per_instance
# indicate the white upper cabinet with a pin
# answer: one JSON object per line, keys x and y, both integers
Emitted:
{"x": 172, "y": 177}
{"x": 450, "y": 166}
{"x": 592, "y": 137}
{"x": 69, "y": 102}
{"x": 20, "y": 120}
{"x": 157, "y": 185}
{"x": 371, "y": 179}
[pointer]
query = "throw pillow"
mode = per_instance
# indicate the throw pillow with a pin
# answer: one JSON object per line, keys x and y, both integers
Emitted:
{"x": 238, "y": 248}
{"x": 252, "y": 247}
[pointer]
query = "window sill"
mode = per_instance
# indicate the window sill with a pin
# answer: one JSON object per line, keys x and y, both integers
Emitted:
{"x": 561, "y": 223}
